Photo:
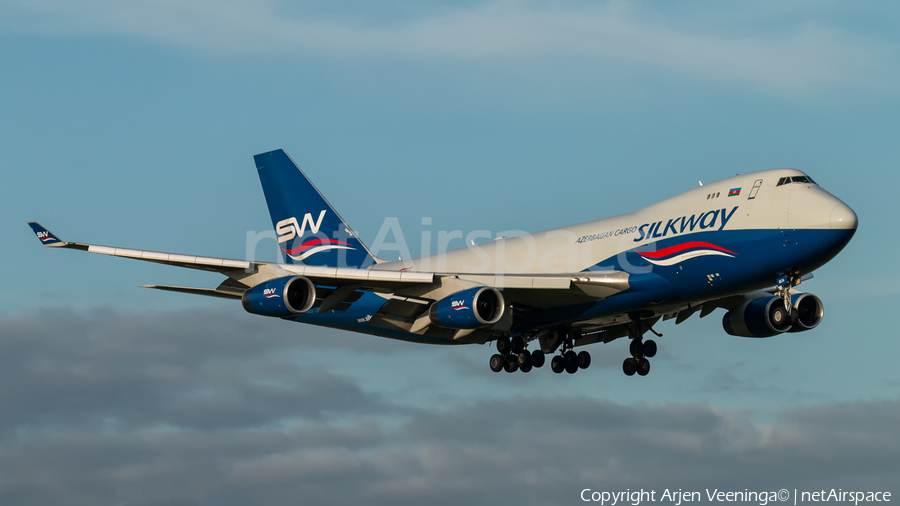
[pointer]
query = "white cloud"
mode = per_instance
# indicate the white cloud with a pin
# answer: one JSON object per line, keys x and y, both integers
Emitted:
{"x": 801, "y": 57}
{"x": 124, "y": 434}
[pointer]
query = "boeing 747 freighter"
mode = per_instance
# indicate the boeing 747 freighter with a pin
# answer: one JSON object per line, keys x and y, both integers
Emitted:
{"x": 742, "y": 244}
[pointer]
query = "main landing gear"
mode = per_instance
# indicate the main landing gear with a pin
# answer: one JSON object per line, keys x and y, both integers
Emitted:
{"x": 512, "y": 356}
{"x": 640, "y": 350}
{"x": 568, "y": 360}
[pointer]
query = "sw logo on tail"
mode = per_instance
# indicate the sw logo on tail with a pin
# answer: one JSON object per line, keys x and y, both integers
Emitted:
{"x": 289, "y": 229}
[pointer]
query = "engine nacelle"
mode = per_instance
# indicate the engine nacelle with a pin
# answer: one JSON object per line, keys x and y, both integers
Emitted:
{"x": 763, "y": 317}
{"x": 807, "y": 312}
{"x": 280, "y": 297}
{"x": 468, "y": 309}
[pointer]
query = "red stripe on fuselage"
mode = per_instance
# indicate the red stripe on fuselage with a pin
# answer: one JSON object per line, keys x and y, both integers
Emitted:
{"x": 678, "y": 248}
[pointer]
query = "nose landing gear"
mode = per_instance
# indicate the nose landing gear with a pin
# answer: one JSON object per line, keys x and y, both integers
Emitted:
{"x": 783, "y": 287}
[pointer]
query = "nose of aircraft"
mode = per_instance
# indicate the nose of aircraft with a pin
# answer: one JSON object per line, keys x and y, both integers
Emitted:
{"x": 843, "y": 218}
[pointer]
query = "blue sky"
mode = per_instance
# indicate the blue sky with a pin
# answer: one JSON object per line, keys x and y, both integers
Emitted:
{"x": 134, "y": 124}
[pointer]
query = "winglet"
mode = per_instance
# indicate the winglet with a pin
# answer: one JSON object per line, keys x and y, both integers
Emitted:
{"x": 45, "y": 236}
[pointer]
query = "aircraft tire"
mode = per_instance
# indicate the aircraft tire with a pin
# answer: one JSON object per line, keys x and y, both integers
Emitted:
{"x": 525, "y": 368}
{"x": 643, "y": 367}
{"x": 650, "y": 348}
{"x": 517, "y": 345}
{"x": 497, "y": 362}
{"x": 629, "y": 366}
{"x": 584, "y": 359}
{"x": 503, "y": 346}
{"x": 571, "y": 362}
{"x": 558, "y": 364}
{"x": 538, "y": 358}
{"x": 525, "y": 359}
{"x": 636, "y": 348}
{"x": 512, "y": 363}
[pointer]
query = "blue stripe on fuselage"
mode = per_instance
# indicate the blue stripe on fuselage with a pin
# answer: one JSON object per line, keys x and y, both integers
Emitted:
{"x": 761, "y": 256}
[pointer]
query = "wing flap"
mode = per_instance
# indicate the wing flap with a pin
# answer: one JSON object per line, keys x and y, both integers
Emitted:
{"x": 520, "y": 281}
{"x": 365, "y": 277}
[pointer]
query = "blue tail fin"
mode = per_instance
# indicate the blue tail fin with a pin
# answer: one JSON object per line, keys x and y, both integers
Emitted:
{"x": 309, "y": 230}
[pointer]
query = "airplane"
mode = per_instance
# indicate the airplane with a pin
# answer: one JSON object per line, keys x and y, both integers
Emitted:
{"x": 741, "y": 244}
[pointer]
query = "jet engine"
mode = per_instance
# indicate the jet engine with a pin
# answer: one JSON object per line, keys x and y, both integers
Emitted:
{"x": 468, "y": 309}
{"x": 280, "y": 297}
{"x": 763, "y": 317}
{"x": 767, "y": 316}
{"x": 808, "y": 311}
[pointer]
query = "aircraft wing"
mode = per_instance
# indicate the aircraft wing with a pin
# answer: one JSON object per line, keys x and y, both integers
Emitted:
{"x": 222, "y": 265}
{"x": 243, "y": 274}
{"x": 241, "y": 270}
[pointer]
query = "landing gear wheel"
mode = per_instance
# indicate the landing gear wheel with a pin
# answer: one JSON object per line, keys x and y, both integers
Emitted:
{"x": 643, "y": 367}
{"x": 584, "y": 360}
{"x": 571, "y": 362}
{"x": 650, "y": 348}
{"x": 630, "y": 366}
{"x": 558, "y": 364}
{"x": 512, "y": 363}
{"x": 525, "y": 368}
{"x": 497, "y": 363}
{"x": 525, "y": 360}
{"x": 517, "y": 345}
{"x": 537, "y": 358}
{"x": 503, "y": 346}
{"x": 636, "y": 348}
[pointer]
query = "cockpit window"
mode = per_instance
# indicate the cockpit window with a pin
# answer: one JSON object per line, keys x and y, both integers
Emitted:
{"x": 795, "y": 179}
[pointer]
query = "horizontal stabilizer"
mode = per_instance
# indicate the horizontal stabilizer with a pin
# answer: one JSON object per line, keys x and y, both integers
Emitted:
{"x": 209, "y": 292}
